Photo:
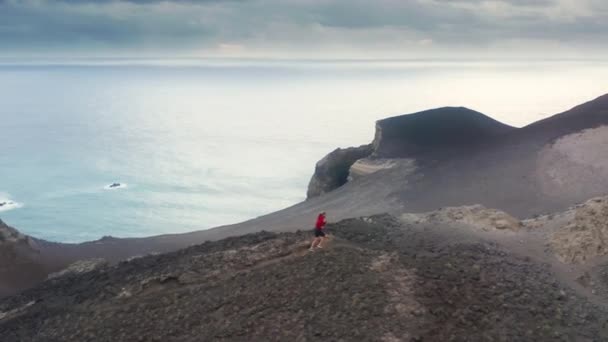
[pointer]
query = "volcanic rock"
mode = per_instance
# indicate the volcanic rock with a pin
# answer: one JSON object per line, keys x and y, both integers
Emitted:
{"x": 332, "y": 171}
{"x": 375, "y": 280}
{"x": 586, "y": 235}
{"x": 81, "y": 266}
{"x": 441, "y": 128}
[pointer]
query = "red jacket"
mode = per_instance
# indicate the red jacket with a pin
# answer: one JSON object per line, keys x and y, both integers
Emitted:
{"x": 320, "y": 222}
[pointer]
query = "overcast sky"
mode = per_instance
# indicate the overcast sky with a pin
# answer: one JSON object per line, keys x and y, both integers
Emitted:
{"x": 305, "y": 28}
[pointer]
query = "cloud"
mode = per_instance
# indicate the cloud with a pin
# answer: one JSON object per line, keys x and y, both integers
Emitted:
{"x": 287, "y": 27}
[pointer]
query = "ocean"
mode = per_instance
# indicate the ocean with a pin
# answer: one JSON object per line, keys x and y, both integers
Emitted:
{"x": 197, "y": 144}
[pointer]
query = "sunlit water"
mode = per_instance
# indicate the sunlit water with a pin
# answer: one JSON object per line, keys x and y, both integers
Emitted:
{"x": 201, "y": 144}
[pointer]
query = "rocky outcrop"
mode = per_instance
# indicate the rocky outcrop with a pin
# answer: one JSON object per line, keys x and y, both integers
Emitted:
{"x": 476, "y": 216}
{"x": 367, "y": 166}
{"x": 406, "y": 137}
{"x": 331, "y": 172}
{"x": 586, "y": 235}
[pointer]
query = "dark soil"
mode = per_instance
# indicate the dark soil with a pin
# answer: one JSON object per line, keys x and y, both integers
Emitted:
{"x": 374, "y": 281}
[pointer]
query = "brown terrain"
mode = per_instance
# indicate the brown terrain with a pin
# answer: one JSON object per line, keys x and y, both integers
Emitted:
{"x": 415, "y": 254}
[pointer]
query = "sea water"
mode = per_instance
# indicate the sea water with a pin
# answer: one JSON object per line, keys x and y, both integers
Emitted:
{"x": 195, "y": 144}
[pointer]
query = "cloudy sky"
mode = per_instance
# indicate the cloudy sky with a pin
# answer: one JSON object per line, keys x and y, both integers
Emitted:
{"x": 305, "y": 28}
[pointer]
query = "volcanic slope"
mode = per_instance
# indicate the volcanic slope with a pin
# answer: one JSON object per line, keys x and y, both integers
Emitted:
{"x": 378, "y": 279}
{"x": 542, "y": 168}
{"x": 419, "y": 164}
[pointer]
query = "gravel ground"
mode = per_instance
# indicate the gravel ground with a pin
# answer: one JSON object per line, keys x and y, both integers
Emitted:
{"x": 376, "y": 280}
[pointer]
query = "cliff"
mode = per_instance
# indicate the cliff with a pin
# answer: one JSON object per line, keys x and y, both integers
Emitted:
{"x": 407, "y": 136}
{"x": 332, "y": 171}
{"x": 436, "y": 129}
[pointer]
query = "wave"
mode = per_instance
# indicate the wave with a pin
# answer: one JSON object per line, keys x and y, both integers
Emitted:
{"x": 115, "y": 186}
{"x": 7, "y": 204}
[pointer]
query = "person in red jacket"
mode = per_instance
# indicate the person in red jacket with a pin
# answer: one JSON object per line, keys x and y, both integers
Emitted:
{"x": 319, "y": 233}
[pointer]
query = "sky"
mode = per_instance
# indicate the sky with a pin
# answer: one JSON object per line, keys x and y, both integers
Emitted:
{"x": 305, "y": 28}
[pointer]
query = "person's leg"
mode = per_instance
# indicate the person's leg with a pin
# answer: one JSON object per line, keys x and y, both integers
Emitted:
{"x": 315, "y": 242}
{"x": 321, "y": 239}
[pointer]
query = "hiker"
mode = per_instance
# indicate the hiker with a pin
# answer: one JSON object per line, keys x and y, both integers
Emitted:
{"x": 319, "y": 233}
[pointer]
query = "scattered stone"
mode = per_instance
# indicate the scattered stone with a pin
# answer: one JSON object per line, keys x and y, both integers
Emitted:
{"x": 124, "y": 293}
{"x": 584, "y": 280}
{"x": 79, "y": 267}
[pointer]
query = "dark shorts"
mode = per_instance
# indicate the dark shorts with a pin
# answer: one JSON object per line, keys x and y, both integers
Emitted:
{"x": 319, "y": 233}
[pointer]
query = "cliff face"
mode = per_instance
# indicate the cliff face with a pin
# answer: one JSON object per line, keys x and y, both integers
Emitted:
{"x": 442, "y": 128}
{"x": 332, "y": 171}
{"x": 406, "y": 136}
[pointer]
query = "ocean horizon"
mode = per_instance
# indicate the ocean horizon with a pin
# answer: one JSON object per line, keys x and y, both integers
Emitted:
{"x": 196, "y": 144}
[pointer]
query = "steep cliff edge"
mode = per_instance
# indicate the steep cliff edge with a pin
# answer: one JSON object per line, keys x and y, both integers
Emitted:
{"x": 408, "y": 136}
{"x": 332, "y": 171}
{"x": 426, "y": 131}
{"x": 428, "y": 161}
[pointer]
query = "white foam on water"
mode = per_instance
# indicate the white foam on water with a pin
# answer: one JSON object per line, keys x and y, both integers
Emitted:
{"x": 120, "y": 186}
{"x": 7, "y": 203}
